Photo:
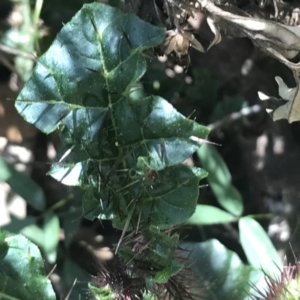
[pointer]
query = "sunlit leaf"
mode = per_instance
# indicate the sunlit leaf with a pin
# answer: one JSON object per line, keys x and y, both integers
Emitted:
{"x": 220, "y": 272}
{"x": 46, "y": 236}
{"x": 21, "y": 270}
{"x": 207, "y": 215}
{"x": 258, "y": 247}
{"x": 287, "y": 106}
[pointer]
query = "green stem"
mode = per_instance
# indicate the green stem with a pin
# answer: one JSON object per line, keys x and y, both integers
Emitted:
{"x": 4, "y": 296}
{"x": 35, "y": 20}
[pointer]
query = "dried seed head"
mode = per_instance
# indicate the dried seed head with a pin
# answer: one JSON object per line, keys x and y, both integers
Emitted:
{"x": 115, "y": 280}
{"x": 180, "y": 11}
{"x": 180, "y": 43}
{"x": 285, "y": 287}
{"x": 178, "y": 286}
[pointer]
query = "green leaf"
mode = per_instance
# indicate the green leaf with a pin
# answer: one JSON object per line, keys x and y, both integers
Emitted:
{"x": 126, "y": 151}
{"x": 227, "y": 106}
{"x": 169, "y": 200}
{"x": 164, "y": 275}
{"x": 221, "y": 271}
{"x": 92, "y": 62}
{"x": 126, "y": 253}
{"x": 258, "y": 247}
{"x": 219, "y": 179}
{"x": 23, "y": 185}
{"x": 161, "y": 246}
{"x": 204, "y": 90}
{"x": 207, "y": 215}
{"x": 46, "y": 237}
{"x": 16, "y": 225}
{"x": 158, "y": 250}
{"x": 70, "y": 218}
{"x": 22, "y": 275}
{"x": 104, "y": 293}
{"x": 149, "y": 296}
{"x": 70, "y": 223}
{"x": 70, "y": 272}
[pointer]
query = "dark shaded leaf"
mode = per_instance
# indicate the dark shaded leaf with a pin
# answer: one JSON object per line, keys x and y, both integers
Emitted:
{"x": 22, "y": 185}
{"x": 71, "y": 273}
{"x": 219, "y": 179}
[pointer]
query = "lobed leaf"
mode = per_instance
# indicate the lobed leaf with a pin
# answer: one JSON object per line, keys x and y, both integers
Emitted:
{"x": 287, "y": 107}
{"x": 126, "y": 151}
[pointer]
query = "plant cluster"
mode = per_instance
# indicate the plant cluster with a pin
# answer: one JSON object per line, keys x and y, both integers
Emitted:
{"x": 125, "y": 153}
{"x": 127, "y": 150}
